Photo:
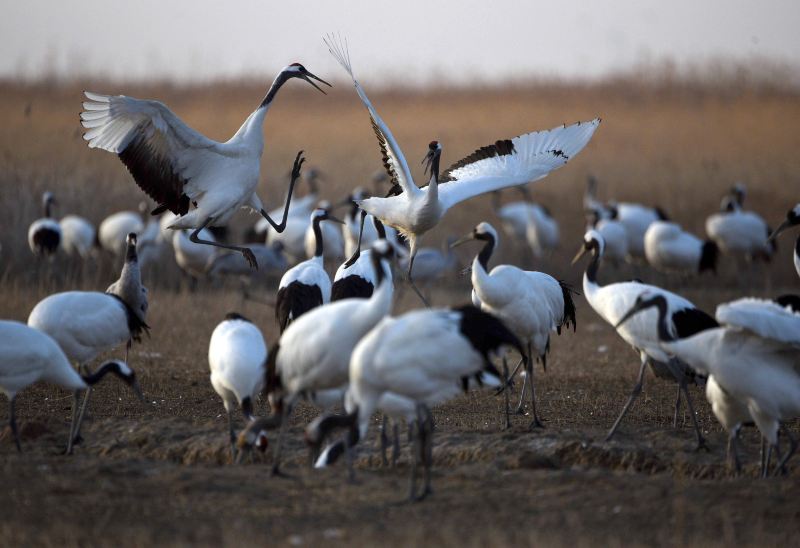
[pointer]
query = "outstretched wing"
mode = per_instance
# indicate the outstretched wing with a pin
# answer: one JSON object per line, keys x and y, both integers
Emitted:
{"x": 393, "y": 159}
{"x": 153, "y": 143}
{"x": 513, "y": 162}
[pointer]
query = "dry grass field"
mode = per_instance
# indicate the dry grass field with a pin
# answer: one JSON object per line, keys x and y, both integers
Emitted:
{"x": 158, "y": 472}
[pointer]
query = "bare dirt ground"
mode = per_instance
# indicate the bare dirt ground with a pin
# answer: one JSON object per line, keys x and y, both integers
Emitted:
{"x": 159, "y": 472}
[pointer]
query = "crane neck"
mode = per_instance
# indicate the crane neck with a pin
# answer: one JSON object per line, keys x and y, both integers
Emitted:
{"x": 108, "y": 367}
{"x": 48, "y": 205}
{"x": 433, "y": 183}
{"x": 280, "y": 79}
{"x": 486, "y": 252}
{"x": 594, "y": 264}
{"x": 317, "y": 236}
{"x": 663, "y": 332}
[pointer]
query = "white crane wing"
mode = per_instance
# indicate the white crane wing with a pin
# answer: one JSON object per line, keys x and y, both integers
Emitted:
{"x": 155, "y": 145}
{"x": 765, "y": 318}
{"x": 513, "y": 162}
{"x": 393, "y": 160}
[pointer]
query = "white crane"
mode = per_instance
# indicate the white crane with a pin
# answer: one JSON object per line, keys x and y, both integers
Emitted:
{"x": 420, "y": 359}
{"x": 670, "y": 249}
{"x": 511, "y": 162}
{"x": 178, "y": 167}
{"x": 615, "y": 236}
{"x": 78, "y": 236}
{"x": 612, "y": 301}
{"x": 527, "y": 222}
{"x": 792, "y": 219}
{"x": 754, "y": 355}
{"x": 356, "y": 277}
{"x": 331, "y": 234}
{"x": 738, "y": 232}
{"x": 87, "y": 323}
{"x": 305, "y": 285}
{"x": 354, "y": 229}
{"x": 531, "y": 304}
{"x": 636, "y": 218}
{"x": 313, "y": 353}
{"x": 44, "y": 235}
{"x": 112, "y": 234}
{"x": 237, "y": 357}
{"x": 28, "y": 356}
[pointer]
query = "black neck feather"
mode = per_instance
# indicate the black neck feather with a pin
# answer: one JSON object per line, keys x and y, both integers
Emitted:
{"x": 318, "y": 237}
{"x": 488, "y": 248}
{"x": 105, "y": 369}
{"x": 273, "y": 89}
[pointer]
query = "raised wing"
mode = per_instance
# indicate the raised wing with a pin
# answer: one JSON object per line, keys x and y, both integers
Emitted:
{"x": 152, "y": 142}
{"x": 765, "y": 318}
{"x": 393, "y": 160}
{"x": 513, "y": 162}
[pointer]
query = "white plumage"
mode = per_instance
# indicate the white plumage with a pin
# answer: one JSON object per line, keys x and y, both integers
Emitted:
{"x": 307, "y": 284}
{"x": 331, "y": 235}
{"x": 542, "y": 233}
{"x": 669, "y": 248}
{"x": 237, "y": 357}
{"x": 28, "y": 355}
{"x": 114, "y": 230}
{"x": 77, "y": 236}
{"x": 741, "y": 233}
{"x": 616, "y": 240}
{"x": 177, "y": 166}
{"x": 613, "y": 301}
{"x": 413, "y": 210}
{"x": 531, "y": 304}
{"x": 44, "y": 235}
{"x": 415, "y": 361}
{"x": 357, "y": 277}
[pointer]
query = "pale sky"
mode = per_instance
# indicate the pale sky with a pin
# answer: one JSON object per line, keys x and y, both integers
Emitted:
{"x": 411, "y": 40}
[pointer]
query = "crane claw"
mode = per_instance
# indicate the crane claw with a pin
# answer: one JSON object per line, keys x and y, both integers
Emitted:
{"x": 298, "y": 162}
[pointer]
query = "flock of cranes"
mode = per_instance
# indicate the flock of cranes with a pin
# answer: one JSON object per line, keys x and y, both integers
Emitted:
{"x": 340, "y": 347}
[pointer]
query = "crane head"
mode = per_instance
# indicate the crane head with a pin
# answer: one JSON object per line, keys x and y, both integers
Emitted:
{"x": 792, "y": 219}
{"x": 296, "y": 70}
{"x": 434, "y": 151}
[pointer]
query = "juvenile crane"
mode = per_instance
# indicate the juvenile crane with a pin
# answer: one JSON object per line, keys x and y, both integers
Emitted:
{"x": 178, "y": 167}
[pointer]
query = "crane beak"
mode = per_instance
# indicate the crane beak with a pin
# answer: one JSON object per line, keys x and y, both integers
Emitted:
{"x": 462, "y": 240}
{"x": 784, "y": 225}
{"x": 581, "y": 252}
{"x": 307, "y": 76}
{"x": 427, "y": 161}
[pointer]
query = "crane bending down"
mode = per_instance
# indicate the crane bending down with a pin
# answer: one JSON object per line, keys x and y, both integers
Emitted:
{"x": 177, "y": 166}
{"x": 413, "y": 210}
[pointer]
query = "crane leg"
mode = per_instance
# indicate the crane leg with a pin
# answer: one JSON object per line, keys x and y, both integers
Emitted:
{"x": 245, "y": 251}
{"x": 535, "y": 423}
{"x": 276, "y": 455}
{"x": 298, "y": 162}
{"x": 505, "y": 393}
{"x": 395, "y": 444}
{"x": 413, "y": 431}
{"x": 427, "y": 449}
{"x": 677, "y": 407}
{"x": 637, "y": 389}
{"x": 12, "y": 421}
{"x": 76, "y": 433}
{"x": 781, "y": 468}
{"x": 733, "y": 449}
{"x": 520, "y": 410}
{"x": 232, "y": 436}
{"x": 701, "y": 441}
{"x": 76, "y": 398}
{"x": 413, "y": 285}
{"x": 384, "y": 441}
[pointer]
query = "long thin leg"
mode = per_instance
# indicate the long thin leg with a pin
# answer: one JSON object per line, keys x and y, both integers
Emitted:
{"x": 245, "y": 251}
{"x": 76, "y": 398}
{"x": 77, "y": 427}
{"x": 677, "y": 407}
{"x": 384, "y": 441}
{"x": 520, "y": 410}
{"x": 413, "y": 285}
{"x": 535, "y": 423}
{"x": 505, "y": 381}
{"x": 276, "y": 455}
{"x": 637, "y": 389}
{"x": 413, "y": 431}
{"x": 427, "y": 449}
{"x": 232, "y": 436}
{"x": 701, "y": 441}
{"x": 12, "y": 421}
{"x": 733, "y": 449}
{"x": 781, "y": 469}
{"x": 395, "y": 444}
{"x": 298, "y": 162}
